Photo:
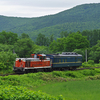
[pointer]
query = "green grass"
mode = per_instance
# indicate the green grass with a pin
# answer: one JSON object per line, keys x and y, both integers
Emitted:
{"x": 6, "y": 71}
{"x": 74, "y": 90}
{"x": 73, "y": 85}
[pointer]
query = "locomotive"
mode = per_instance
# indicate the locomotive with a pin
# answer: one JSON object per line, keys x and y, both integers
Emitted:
{"x": 66, "y": 60}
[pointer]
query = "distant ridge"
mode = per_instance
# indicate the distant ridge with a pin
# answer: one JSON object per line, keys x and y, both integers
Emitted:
{"x": 78, "y": 18}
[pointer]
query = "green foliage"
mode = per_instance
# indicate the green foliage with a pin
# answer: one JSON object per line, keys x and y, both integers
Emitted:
{"x": 8, "y": 38}
{"x": 5, "y": 47}
{"x": 42, "y": 40}
{"x": 22, "y": 86}
{"x": 7, "y": 60}
{"x": 95, "y": 52}
{"x": 71, "y": 42}
{"x": 76, "y": 41}
{"x": 91, "y": 62}
{"x": 24, "y": 35}
{"x": 75, "y": 74}
{"x": 93, "y": 36}
{"x": 21, "y": 93}
{"x": 82, "y": 52}
{"x": 23, "y": 47}
{"x": 89, "y": 72}
{"x": 2, "y": 66}
{"x": 63, "y": 34}
{"x": 41, "y": 49}
{"x": 85, "y": 64}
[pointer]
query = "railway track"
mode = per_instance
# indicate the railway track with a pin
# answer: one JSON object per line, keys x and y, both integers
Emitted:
{"x": 10, "y": 74}
{"x": 57, "y": 70}
{"x": 86, "y": 68}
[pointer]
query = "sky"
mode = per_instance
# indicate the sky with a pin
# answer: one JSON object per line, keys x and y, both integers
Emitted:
{"x": 38, "y": 8}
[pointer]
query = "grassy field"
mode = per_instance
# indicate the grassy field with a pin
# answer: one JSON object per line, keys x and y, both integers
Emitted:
{"x": 74, "y": 90}
{"x": 72, "y": 85}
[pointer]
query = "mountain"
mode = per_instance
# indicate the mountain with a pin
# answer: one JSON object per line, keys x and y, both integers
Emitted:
{"x": 79, "y": 18}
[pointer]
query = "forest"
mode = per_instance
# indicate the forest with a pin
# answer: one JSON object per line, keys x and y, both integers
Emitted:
{"x": 78, "y": 18}
{"x": 12, "y": 45}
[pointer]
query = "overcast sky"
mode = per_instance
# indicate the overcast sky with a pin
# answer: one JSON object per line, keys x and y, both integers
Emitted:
{"x": 37, "y": 8}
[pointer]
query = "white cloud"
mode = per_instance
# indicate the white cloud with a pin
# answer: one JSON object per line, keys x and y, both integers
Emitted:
{"x": 34, "y": 8}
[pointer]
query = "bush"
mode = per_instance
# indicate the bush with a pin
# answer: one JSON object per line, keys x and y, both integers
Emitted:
{"x": 58, "y": 73}
{"x": 7, "y": 60}
{"x": 21, "y": 93}
{"x": 91, "y": 62}
{"x": 2, "y": 66}
{"x": 91, "y": 72}
{"x": 86, "y": 64}
{"x": 74, "y": 74}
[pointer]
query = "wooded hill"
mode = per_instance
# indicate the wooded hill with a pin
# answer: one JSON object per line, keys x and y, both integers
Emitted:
{"x": 79, "y": 18}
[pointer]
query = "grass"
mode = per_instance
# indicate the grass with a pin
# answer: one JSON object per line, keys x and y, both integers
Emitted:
{"x": 73, "y": 85}
{"x": 6, "y": 71}
{"x": 74, "y": 90}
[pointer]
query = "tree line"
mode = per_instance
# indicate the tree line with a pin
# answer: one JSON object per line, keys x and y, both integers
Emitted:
{"x": 12, "y": 45}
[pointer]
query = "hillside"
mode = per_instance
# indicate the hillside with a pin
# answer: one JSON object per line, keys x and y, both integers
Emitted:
{"x": 79, "y": 18}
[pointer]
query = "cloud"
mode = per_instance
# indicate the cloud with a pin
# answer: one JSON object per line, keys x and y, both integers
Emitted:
{"x": 34, "y": 8}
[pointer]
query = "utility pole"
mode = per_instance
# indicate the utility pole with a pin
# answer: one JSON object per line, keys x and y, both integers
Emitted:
{"x": 86, "y": 55}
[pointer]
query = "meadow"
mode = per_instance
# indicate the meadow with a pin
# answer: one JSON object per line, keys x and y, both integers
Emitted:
{"x": 74, "y": 90}
{"x": 56, "y": 85}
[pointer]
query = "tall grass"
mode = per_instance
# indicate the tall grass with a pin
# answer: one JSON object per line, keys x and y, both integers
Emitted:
{"x": 77, "y": 90}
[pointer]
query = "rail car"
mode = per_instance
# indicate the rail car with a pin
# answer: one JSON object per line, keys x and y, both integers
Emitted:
{"x": 66, "y": 60}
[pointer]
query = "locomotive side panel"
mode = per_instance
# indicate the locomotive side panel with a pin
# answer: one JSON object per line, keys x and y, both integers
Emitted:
{"x": 22, "y": 64}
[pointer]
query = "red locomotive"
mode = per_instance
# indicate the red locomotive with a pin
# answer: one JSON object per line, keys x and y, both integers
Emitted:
{"x": 37, "y": 61}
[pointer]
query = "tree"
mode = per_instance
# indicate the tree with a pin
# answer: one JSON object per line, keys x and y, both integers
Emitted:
{"x": 51, "y": 38}
{"x": 63, "y": 34}
{"x": 95, "y": 52}
{"x": 71, "y": 42}
{"x": 5, "y": 47}
{"x": 24, "y": 35}
{"x": 53, "y": 47}
{"x": 41, "y": 49}
{"x": 93, "y": 36}
{"x": 82, "y": 52}
{"x": 75, "y": 41}
{"x": 24, "y": 47}
{"x": 42, "y": 40}
{"x": 8, "y": 37}
{"x": 7, "y": 60}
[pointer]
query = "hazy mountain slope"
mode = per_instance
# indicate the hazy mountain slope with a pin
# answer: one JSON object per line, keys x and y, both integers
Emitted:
{"x": 80, "y": 18}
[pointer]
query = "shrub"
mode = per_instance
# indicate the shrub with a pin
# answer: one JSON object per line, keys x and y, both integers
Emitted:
{"x": 58, "y": 73}
{"x": 91, "y": 62}
{"x": 2, "y": 66}
{"x": 21, "y": 93}
{"x": 7, "y": 60}
{"x": 88, "y": 72}
{"x": 86, "y": 64}
{"x": 74, "y": 74}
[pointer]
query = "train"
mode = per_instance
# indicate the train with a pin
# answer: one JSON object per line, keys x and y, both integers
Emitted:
{"x": 48, "y": 62}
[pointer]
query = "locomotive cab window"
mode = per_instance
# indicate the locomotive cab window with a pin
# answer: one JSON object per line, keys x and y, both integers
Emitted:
{"x": 42, "y": 57}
